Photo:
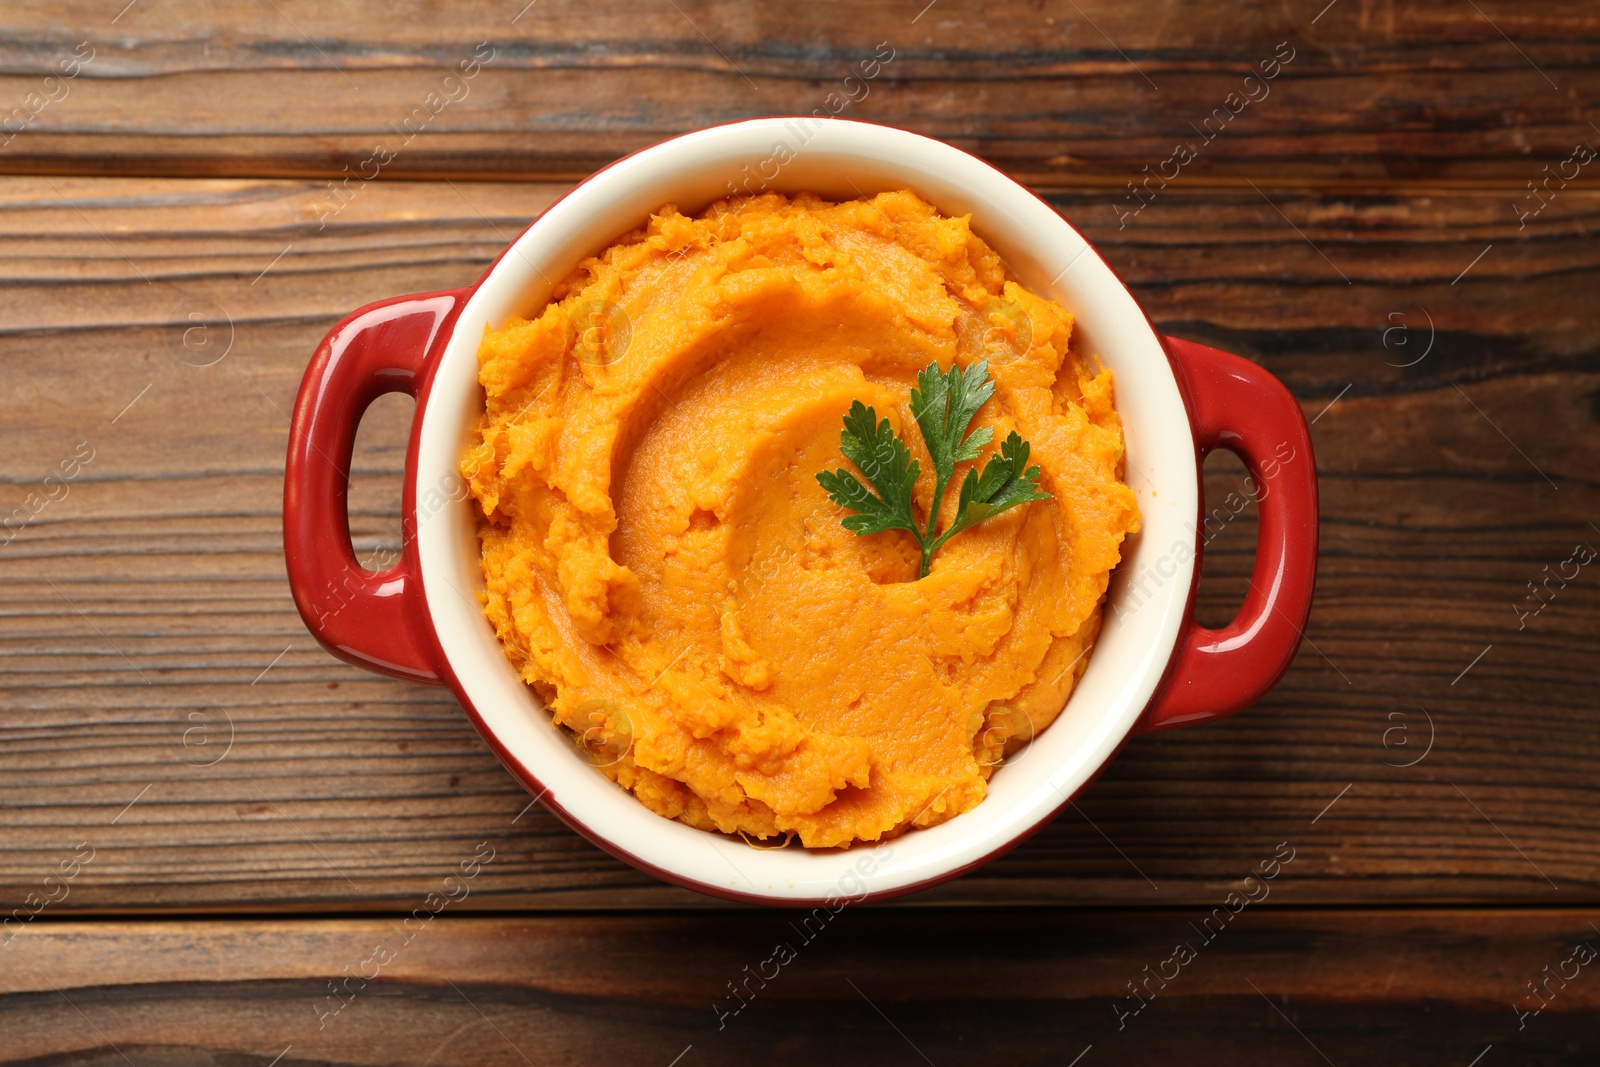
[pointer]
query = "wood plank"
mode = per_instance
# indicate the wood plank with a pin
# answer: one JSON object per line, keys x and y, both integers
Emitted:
{"x": 1057, "y": 93}
{"x": 147, "y": 609}
{"x": 1272, "y": 985}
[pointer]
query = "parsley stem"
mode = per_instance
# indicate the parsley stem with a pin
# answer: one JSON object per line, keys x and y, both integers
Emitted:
{"x": 928, "y": 542}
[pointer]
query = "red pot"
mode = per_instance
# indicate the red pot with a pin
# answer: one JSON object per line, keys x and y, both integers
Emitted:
{"x": 1152, "y": 668}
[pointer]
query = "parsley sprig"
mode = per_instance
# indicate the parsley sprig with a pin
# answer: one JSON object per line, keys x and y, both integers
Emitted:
{"x": 943, "y": 405}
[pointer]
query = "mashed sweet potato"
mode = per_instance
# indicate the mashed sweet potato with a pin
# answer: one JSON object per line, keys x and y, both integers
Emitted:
{"x": 664, "y": 570}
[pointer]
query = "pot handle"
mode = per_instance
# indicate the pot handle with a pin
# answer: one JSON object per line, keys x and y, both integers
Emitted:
{"x": 373, "y": 619}
{"x": 1236, "y": 405}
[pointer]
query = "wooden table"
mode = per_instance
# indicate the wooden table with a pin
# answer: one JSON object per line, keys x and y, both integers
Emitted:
{"x": 217, "y": 821}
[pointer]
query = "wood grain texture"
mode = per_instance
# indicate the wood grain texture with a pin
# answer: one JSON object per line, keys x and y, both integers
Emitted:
{"x": 868, "y": 985}
{"x": 145, "y": 620}
{"x": 1055, "y": 92}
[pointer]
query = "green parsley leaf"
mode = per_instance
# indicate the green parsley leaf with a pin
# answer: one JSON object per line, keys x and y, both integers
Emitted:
{"x": 875, "y": 450}
{"x": 943, "y": 406}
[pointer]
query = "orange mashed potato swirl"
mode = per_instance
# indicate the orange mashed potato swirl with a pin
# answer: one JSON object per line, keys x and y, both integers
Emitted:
{"x": 665, "y": 572}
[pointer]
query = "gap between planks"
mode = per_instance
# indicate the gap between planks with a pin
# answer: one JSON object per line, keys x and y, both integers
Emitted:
{"x": 1044, "y": 184}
